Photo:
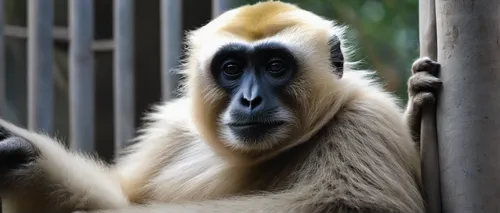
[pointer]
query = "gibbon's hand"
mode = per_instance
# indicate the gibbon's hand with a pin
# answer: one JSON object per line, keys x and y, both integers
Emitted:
{"x": 423, "y": 86}
{"x": 39, "y": 174}
{"x": 14, "y": 153}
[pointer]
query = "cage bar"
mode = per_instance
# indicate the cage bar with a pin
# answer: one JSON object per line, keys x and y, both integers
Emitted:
{"x": 3, "y": 76}
{"x": 171, "y": 40}
{"x": 123, "y": 72}
{"x": 81, "y": 74}
{"x": 40, "y": 80}
{"x": 221, "y": 6}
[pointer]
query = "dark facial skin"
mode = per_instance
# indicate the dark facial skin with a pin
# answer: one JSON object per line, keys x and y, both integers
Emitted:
{"x": 255, "y": 78}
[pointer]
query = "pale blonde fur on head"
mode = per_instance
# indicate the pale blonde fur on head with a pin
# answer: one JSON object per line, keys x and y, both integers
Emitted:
{"x": 305, "y": 34}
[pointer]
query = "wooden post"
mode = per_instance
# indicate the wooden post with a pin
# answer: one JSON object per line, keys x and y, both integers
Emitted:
{"x": 468, "y": 109}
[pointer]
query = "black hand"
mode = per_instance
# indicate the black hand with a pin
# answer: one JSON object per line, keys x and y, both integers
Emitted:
{"x": 14, "y": 153}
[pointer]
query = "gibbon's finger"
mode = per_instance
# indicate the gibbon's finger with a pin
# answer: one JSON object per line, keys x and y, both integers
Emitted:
{"x": 423, "y": 99}
{"x": 423, "y": 82}
{"x": 425, "y": 64}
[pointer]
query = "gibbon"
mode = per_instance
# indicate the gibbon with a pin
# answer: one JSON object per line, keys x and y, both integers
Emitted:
{"x": 274, "y": 118}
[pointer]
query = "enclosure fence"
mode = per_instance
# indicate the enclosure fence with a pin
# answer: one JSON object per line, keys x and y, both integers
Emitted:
{"x": 40, "y": 34}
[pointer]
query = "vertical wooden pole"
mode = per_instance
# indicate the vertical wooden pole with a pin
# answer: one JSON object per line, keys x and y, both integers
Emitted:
{"x": 429, "y": 152}
{"x": 123, "y": 72}
{"x": 468, "y": 112}
{"x": 81, "y": 74}
{"x": 171, "y": 40}
{"x": 40, "y": 80}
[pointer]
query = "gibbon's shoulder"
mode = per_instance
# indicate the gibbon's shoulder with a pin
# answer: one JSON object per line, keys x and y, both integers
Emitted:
{"x": 173, "y": 113}
{"x": 166, "y": 125}
{"x": 166, "y": 121}
{"x": 376, "y": 111}
{"x": 366, "y": 89}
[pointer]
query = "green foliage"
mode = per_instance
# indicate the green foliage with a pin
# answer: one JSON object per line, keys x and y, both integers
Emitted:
{"x": 386, "y": 33}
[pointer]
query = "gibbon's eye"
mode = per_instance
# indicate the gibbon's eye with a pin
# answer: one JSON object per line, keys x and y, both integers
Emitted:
{"x": 231, "y": 69}
{"x": 276, "y": 67}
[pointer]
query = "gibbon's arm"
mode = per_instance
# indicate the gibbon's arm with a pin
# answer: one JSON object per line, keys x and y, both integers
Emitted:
{"x": 275, "y": 203}
{"x": 55, "y": 178}
{"x": 422, "y": 88}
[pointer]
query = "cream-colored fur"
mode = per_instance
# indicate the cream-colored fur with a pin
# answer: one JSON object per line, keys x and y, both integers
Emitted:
{"x": 348, "y": 150}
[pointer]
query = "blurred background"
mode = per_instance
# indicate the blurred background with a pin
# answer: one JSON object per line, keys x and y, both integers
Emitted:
{"x": 386, "y": 32}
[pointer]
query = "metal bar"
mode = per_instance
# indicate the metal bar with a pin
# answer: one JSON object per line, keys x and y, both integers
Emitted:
{"x": 3, "y": 76}
{"x": 81, "y": 75}
{"x": 171, "y": 40}
{"x": 468, "y": 118}
{"x": 429, "y": 152}
{"x": 40, "y": 81}
{"x": 221, "y": 6}
{"x": 123, "y": 72}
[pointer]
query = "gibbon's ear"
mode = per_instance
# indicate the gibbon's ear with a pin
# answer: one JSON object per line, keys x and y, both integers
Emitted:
{"x": 336, "y": 55}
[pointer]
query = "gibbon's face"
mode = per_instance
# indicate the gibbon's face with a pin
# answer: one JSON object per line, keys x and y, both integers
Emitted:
{"x": 258, "y": 76}
{"x": 255, "y": 77}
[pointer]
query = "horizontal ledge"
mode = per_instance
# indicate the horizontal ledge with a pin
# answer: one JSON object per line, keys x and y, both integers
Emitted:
{"x": 59, "y": 34}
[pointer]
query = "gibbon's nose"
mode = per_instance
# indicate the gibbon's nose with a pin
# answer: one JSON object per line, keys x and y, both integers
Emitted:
{"x": 250, "y": 97}
{"x": 250, "y": 102}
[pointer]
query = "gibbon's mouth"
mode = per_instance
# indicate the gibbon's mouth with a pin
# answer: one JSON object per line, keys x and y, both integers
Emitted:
{"x": 255, "y": 124}
{"x": 254, "y": 130}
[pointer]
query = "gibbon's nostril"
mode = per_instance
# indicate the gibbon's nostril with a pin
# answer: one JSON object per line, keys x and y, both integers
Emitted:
{"x": 251, "y": 103}
{"x": 244, "y": 102}
{"x": 255, "y": 102}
